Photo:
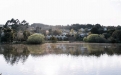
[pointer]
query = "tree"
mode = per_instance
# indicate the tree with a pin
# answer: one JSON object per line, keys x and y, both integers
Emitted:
{"x": 97, "y": 29}
{"x": 24, "y": 22}
{"x": 98, "y": 26}
{"x": 12, "y": 27}
{"x": 106, "y": 35}
{"x": 118, "y": 27}
{"x": 94, "y": 30}
{"x": 23, "y": 25}
{"x": 117, "y": 35}
{"x": 110, "y": 32}
{"x": 8, "y": 35}
{"x": 38, "y": 29}
{"x": 56, "y": 32}
{"x": 14, "y": 24}
{"x": 20, "y": 36}
{"x": 26, "y": 35}
{"x": 100, "y": 30}
{"x": 6, "y": 24}
{"x": 50, "y": 31}
{"x": 72, "y": 32}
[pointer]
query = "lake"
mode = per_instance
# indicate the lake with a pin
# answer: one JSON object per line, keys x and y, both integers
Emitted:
{"x": 61, "y": 59}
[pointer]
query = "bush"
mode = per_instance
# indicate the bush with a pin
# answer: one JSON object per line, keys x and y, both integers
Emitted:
{"x": 53, "y": 39}
{"x": 35, "y": 39}
{"x": 95, "y": 38}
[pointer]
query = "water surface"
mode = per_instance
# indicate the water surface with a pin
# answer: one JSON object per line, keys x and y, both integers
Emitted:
{"x": 61, "y": 59}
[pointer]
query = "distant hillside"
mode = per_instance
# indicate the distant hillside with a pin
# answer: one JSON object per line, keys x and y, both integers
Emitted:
{"x": 74, "y": 26}
{"x": 38, "y": 25}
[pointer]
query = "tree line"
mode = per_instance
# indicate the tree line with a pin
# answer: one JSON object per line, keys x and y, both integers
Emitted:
{"x": 14, "y": 30}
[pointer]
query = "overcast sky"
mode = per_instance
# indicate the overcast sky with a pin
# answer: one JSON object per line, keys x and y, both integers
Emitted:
{"x": 62, "y": 12}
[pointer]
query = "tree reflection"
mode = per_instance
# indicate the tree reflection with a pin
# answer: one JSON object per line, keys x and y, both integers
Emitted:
{"x": 13, "y": 54}
{"x": 97, "y": 53}
{"x": 75, "y": 49}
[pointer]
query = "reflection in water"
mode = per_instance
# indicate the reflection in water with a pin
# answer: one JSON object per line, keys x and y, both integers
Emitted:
{"x": 61, "y": 59}
{"x": 14, "y": 53}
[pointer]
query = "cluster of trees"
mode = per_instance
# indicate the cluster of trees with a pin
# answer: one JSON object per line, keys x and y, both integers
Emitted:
{"x": 99, "y": 35}
{"x": 76, "y": 26}
{"x": 97, "y": 29}
{"x": 79, "y": 26}
{"x": 14, "y": 30}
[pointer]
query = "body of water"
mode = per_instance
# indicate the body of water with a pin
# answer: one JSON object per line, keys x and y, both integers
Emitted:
{"x": 61, "y": 59}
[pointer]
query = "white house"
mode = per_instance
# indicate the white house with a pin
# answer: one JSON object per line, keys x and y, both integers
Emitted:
{"x": 64, "y": 33}
{"x": 83, "y": 32}
{"x": 57, "y": 36}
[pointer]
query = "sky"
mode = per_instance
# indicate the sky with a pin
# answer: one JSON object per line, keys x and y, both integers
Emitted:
{"x": 62, "y": 12}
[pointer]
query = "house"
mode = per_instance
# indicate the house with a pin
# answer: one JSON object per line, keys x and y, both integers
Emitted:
{"x": 83, "y": 32}
{"x": 65, "y": 31}
{"x": 82, "y": 35}
{"x": 82, "y": 29}
{"x": 57, "y": 36}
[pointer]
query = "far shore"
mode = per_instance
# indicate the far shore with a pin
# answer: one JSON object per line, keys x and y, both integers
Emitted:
{"x": 65, "y": 42}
